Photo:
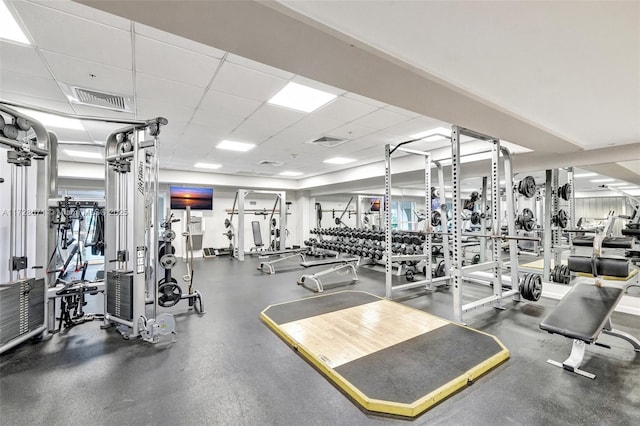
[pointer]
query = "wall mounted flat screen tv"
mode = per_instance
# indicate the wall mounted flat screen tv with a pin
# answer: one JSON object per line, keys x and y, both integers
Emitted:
{"x": 198, "y": 198}
{"x": 375, "y": 204}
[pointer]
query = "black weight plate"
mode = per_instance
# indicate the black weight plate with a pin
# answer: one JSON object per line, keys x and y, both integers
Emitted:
{"x": 475, "y": 260}
{"x": 409, "y": 275}
{"x": 169, "y": 294}
{"x": 163, "y": 250}
{"x": 535, "y": 284}
{"x": 527, "y": 187}
{"x": 436, "y": 218}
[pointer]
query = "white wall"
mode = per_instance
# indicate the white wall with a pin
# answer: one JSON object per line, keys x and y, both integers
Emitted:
{"x": 214, "y": 219}
{"x": 600, "y": 207}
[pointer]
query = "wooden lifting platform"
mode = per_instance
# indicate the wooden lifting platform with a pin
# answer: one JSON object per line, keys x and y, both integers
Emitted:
{"x": 388, "y": 358}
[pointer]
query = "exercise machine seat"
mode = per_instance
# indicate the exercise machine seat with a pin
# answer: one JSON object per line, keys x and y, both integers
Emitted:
{"x": 609, "y": 242}
{"x": 610, "y": 266}
{"x": 583, "y": 312}
{"x": 631, "y": 231}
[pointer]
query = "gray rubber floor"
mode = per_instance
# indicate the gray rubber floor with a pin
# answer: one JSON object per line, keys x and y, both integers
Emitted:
{"x": 227, "y": 368}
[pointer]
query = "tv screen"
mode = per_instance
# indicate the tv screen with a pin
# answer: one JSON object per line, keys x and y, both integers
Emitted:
{"x": 195, "y": 197}
{"x": 375, "y": 205}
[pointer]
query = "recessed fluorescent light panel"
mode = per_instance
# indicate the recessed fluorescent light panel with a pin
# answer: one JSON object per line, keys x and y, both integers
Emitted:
{"x": 601, "y": 180}
{"x": 629, "y": 187}
{"x": 235, "y": 146}
{"x": 207, "y": 166}
{"x": 433, "y": 134}
{"x": 82, "y": 154}
{"x": 617, "y": 184}
{"x": 301, "y": 98}
{"x": 50, "y": 120}
{"x": 291, "y": 174}
{"x": 9, "y": 28}
{"x": 339, "y": 160}
{"x": 581, "y": 175}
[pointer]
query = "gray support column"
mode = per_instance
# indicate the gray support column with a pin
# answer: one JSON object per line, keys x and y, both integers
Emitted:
{"x": 387, "y": 220}
{"x": 427, "y": 218}
{"x": 456, "y": 228}
{"x": 483, "y": 220}
{"x": 548, "y": 233}
{"x": 495, "y": 231}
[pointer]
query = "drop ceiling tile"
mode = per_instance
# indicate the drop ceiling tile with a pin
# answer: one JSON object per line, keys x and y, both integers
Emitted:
{"x": 78, "y": 72}
{"x": 154, "y": 88}
{"x": 149, "y": 108}
{"x": 365, "y": 100}
{"x": 246, "y": 83}
{"x": 57, "y": 106}
{"x": 101, "y": 112}
{"x": 77, "y": 37}
{"x": 223, "y": 103}
{"x": 86, "y": 12}
{"x": 173, "y": 63}
{"x": 345, "y": 109}
{"x": 70, "y": 135}
{"x": 220, "y": 125}
{"x": 351, "y": 131}
{"x": 317, "y": 85}
{"x": 257, "y": 66}
{"x": 99, "y": 131}
{"x": 23, "y": 84}
{"x": 22, "y": 59}
{"x": 381, "y": 119}
{"x": 311, "y": 127}
{"x": 177, "y": 41}
{"x": 402, "y": 111}
{"x": 416, "y": 125}
{"x": 274, "y": 119}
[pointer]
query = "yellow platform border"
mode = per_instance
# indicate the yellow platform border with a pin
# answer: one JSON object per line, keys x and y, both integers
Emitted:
{"x": 390, "y": 407}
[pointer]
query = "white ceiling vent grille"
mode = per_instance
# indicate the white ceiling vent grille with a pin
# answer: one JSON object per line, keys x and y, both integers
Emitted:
{"x": 270, "y": 163}
{"x": 83, "y": 96}
{"x": 328, "y": 141}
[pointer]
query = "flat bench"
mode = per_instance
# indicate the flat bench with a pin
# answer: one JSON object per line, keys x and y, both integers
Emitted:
{"x": 344, "y": 267}
{"x": 584, "y": 313}
{"x": 328, "y": 261}
{"x": 284, "y": 256}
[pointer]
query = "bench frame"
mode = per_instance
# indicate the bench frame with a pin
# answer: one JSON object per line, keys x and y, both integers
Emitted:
{"x": 316, "y": 279}
{"x": 576, "y": 358}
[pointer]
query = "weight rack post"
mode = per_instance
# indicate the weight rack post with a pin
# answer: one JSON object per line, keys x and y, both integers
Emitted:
{"x": 546, "y": 268}
{"x": 456, "y": 224}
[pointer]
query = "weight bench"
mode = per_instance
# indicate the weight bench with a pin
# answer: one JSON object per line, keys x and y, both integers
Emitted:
{"x": 341, "y": 266}
{"x": 585, "y": 311}
{"x": 270, "y": 264}
{"x": 608, "y": 242}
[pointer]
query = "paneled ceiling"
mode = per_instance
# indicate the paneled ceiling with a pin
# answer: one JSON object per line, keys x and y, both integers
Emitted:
{"x": 206, "y": 94}
{"x": 209, "y": 94}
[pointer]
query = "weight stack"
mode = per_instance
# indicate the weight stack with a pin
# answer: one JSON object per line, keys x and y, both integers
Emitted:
{"x": 120, "y": 294}
{"x": 21, "y": 308}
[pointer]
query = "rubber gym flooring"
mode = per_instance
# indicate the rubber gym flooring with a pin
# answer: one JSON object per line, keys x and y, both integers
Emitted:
{"x": 228, "y": 368}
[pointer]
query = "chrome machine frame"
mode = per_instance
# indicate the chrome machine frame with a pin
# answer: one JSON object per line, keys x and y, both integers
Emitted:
{"x": 25, "y": 288}
{"x": 131, "y": 240}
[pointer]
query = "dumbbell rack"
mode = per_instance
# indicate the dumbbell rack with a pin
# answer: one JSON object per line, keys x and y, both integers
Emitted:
{"x": 407, "y": 248}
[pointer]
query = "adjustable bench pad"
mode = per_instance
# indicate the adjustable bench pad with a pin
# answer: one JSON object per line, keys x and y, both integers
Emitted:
{"x": 605, "y": 265}
{"x": 610, "y": 242}
{"x": 583, "y": 312}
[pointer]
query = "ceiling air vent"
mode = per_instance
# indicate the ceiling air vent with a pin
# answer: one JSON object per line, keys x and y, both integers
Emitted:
{"x": 270, "y": 163}
{"x": 83, "y": 96}
{"x": 328, "y": 141}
